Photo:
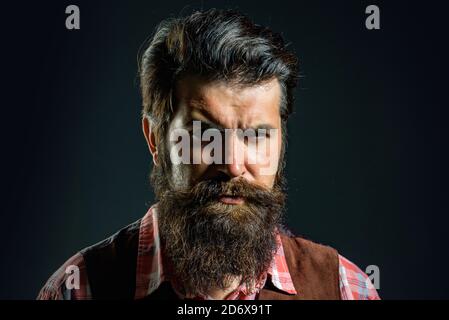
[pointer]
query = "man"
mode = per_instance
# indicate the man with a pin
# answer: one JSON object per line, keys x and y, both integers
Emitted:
{"x": 217, "y": 91}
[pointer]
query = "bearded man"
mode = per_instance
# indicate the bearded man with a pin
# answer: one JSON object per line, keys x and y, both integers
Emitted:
{"x": 225, "y": 86}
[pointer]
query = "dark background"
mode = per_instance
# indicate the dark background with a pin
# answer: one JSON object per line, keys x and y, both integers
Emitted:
{"x": 367, "y": 157}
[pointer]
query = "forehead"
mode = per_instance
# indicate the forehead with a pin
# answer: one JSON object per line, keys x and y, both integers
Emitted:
{"x": 229, "y": 105}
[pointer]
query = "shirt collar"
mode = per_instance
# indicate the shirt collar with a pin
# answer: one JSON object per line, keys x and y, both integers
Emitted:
{"x": 152, "y": 270}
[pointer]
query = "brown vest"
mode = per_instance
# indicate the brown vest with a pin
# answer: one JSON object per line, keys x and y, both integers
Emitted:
{"x": 111, "y": 269}
{"x": 313, "y": 269}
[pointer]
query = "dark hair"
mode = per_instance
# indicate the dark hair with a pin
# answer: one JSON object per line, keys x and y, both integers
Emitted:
{"x": 216, "y": 44}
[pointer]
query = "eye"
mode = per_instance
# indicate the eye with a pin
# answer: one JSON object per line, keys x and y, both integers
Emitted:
{"x": 263, "y": 134}
{"x": 252, "y": 136}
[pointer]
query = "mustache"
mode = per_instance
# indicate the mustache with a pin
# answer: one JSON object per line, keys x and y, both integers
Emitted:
{"x": 210, "y": 190}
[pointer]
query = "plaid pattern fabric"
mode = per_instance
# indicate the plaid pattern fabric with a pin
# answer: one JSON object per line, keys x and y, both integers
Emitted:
{"x": 354, "y": 283}
{"x": 152, "y": 271}
{"x": 57, "y": 286}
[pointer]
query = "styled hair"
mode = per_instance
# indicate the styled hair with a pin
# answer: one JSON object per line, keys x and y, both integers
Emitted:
{"x": 218, "y": 45}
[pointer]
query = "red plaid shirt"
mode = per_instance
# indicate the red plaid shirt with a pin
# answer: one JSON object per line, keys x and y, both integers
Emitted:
{"x": 151, "y": 272}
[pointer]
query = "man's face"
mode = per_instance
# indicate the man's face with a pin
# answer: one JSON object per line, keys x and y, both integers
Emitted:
{"x": 217, "y": 107}
{"x": 218, "y": 220}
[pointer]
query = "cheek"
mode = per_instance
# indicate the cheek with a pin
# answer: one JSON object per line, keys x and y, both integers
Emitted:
{"x": 184, "y": 176}
{"x": 197, "y": 172}
{"x": 263, "y": 160}
{"x": 188, "y": 167}
{"x": 179, "y": 174}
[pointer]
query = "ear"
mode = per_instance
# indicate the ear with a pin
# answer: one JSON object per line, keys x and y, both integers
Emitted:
{"x": 150, "y": 137}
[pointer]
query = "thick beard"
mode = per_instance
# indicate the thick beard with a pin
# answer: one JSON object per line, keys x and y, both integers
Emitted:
{"x": 209, "y": 243}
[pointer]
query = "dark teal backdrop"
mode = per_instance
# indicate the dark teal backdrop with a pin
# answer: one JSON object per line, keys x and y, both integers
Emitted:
{"x": 367, "y": 152}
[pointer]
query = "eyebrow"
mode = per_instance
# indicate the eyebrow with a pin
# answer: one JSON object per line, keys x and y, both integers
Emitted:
{"x": 210, "y": 124}
{"x": 205, "y": 124}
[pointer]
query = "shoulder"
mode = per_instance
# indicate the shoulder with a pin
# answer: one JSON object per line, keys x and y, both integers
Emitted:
{"x": 69, "y": 282}
{"x": 72, "y": 280}
{"x": 313, "y": 267}
{"x": 354, "y": 283}
{"x": 318, "y": 254}
{"x": 116, "y": 246}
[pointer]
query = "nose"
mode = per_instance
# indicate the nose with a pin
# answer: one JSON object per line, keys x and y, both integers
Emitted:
{"x": 233, "y": 164}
